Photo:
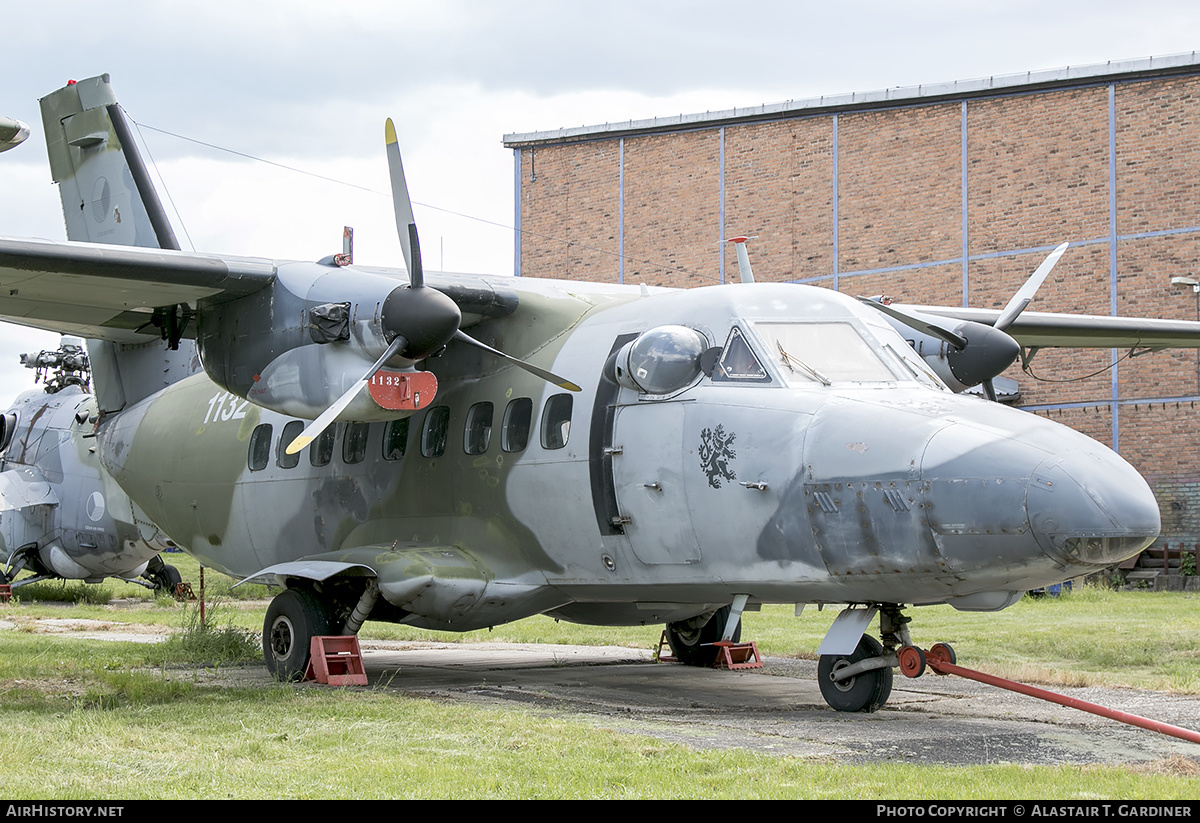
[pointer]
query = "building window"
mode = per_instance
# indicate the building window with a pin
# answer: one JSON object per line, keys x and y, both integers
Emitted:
{"x": 395, "y": 438}
{"x": 260, "y": 447}
{"x": 290, "y": 432}
{"x": 514, "y": 433}
{"x": 354, "y": 442}
{"x": 478, "y": 432}
{"x": 556, "y": 421}
{"x": 433, "y": 434}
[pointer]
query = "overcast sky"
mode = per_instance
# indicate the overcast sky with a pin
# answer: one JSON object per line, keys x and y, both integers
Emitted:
{"x": 308, "y": 85}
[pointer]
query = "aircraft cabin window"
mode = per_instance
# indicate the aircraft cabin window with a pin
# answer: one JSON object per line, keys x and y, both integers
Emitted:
{"x": 556, "y": 421}
{"x": 290, "y": 432}
{"x": 738, "y": 362}
{"x": 514, "y": 432}
{"x": 478, "y": 433}
{"x": 354, "y": 442}
{"x": 320, "y": 451}
{"x": 260, "y": 447}
{"x": 433, "y": 433}
{"x": 395, "y": 438}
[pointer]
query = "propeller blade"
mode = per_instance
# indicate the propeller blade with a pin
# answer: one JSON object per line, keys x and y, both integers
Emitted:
{"x": 406, "y": 224}
{"x": 313, "y": 430}
{"x": 920, "y": 323}
{"x": 1024, "y": 295}
{"x": 549, "y": 377}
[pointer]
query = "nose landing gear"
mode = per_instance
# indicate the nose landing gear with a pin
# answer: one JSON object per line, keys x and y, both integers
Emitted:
{"x": 862, "y": 680}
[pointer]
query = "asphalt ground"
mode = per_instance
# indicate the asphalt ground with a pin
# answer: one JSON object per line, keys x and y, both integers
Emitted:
{"x": 778, "y": 709}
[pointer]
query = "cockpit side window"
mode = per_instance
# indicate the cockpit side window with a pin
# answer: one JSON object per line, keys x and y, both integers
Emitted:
{"x": 738, "y": 363}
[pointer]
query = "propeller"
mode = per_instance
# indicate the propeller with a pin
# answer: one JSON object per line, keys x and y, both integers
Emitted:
{"x": 1025, "y": 294}
{"x": 417, "y": 321}
{"x": 978, "y": 352}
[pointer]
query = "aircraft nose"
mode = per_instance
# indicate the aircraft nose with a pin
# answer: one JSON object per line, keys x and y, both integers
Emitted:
{"x": 1091, "y": 508}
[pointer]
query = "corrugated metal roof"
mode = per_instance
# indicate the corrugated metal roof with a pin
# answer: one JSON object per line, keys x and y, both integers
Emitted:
{"x": 901, "y": 95}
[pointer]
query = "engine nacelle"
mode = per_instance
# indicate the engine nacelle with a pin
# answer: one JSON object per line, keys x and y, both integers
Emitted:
{"x": 298, "y": 345}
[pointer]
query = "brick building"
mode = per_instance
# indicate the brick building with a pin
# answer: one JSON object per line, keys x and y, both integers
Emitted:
{"x": 948, "y": 194}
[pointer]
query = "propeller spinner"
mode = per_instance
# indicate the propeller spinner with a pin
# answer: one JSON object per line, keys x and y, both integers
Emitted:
{"x": 417, "y": 320}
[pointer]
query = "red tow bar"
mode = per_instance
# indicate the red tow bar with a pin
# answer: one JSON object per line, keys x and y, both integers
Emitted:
{"x": 940, "y": 658}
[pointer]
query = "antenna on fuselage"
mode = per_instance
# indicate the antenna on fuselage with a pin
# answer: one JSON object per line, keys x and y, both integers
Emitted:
{"x": 743, "y": 258}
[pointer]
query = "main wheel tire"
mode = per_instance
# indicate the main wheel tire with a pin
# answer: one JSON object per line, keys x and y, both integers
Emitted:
{"x": 865, "y": 692}
{"x": 691, "y": 640}
{"x": 293, "y": 619}
{"x": 166, "y": 579}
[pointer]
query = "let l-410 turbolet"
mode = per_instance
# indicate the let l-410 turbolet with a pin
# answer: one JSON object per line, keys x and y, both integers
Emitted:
{"x": 604, "y": 454}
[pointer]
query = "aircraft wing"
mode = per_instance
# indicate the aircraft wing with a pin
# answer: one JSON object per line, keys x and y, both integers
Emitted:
{"x": 108, "y": 292}
{"x": 1035, "y": 330}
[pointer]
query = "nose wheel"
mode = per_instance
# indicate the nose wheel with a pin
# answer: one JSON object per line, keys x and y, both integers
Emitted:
{"x": 858, "y": 682}
{"x": 862, "y": 681}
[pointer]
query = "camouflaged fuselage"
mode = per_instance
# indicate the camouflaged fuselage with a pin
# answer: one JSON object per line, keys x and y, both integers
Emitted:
{"x": 788, "y": 472}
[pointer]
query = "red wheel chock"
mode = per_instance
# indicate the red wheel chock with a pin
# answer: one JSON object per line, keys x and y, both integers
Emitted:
{"x": 729, "y": 655}
{"x": 941, "y": 659}
{"x": 660, "y": 656}
{"x": 5, "y": 593}
{"x": 336, "y": 661}
{"x": 737, "y": 655}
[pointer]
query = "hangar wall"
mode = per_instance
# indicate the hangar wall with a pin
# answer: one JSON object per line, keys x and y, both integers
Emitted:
{"x": 946, "y": 194}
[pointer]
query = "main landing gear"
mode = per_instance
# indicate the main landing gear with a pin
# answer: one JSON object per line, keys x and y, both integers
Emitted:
{"x": 293, "y": 619}
{"x": 164, "y": 577}
{"x": 297, "y": 615}
{"x": 862, "y": 680}
{"x": 691, "y": 641}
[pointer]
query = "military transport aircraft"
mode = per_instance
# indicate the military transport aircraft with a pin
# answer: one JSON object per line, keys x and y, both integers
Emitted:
{"x": 62, "y": 516}
{"x": 455, "y": 451}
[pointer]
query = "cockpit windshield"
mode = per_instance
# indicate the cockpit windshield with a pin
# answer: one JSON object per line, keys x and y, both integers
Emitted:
{"x": 824, "y": 352}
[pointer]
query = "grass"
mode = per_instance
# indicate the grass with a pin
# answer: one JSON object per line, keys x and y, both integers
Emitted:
{"x": 108, "y": 720}
{"x": 306, "y": 743}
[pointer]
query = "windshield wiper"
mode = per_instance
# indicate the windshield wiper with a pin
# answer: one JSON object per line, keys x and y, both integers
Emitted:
{"x": 791, "y": 361}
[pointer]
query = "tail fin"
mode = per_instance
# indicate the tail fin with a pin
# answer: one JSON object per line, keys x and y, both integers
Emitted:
{"x": 108, "y": 197}
{"x": 106, "y": 191}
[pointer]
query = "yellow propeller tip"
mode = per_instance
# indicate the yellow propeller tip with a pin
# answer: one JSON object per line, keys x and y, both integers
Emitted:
{"x": 389, "y": 132}
{"x": 297, "y": 444}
